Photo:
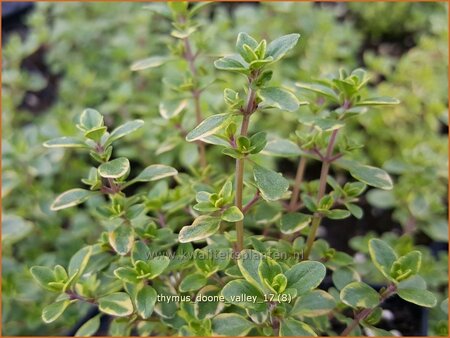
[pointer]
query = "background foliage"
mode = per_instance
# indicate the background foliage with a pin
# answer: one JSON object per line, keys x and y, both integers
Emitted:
{"x": 78, "y": 55}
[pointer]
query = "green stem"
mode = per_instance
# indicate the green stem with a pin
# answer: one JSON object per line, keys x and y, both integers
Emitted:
{"x": 298, "y": 181}
{"x": 317, "y": 217}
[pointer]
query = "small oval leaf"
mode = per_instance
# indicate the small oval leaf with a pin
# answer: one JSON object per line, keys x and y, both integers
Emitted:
{"x": 155, "y": 172}
{"x": 89, "y": 328}
{"x": 202, "y": 227}
{"x": 271, "y": 184}
{"x": 207, "y": 127}
{"x": 122, "y": 239}
{"x": 360, "y": 295}
{"x": 124, "y": 129}
{"x": 116, "y": 304}
{"x": 51, "y": 312}
{"x": 151, "y": 62}
{"x": 230, "y": 324}
{"x": 115, "y": 168}
{"x": 65, "y": 142}
{"x": 278, "y": 98}
{"x": 145, "y": 301}
{"x": 71, "y": 198}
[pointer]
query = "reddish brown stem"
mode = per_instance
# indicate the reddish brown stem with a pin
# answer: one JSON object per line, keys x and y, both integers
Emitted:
{"x": 360, "y": 316}
{"x": 248, "y": 110}
{"x": 298, "y": 181}
{"x": 251, "y": 203}
{"x": 190, "y": 58}
{"x": 317, "y": 218}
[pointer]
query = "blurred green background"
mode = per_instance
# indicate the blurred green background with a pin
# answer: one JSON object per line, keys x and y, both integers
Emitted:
{"x": 59, "y": 58}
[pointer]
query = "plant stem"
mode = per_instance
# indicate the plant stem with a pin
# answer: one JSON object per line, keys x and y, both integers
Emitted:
{"x": 298, "y": 181}
{"x": 190, "y": 58}
{"x": 252, "y": 202}
{"x": 73, "y": 295}
{"x": 248, "y": 110}
{"x": 390, "y": 290}
{"x": 317, "y": 217}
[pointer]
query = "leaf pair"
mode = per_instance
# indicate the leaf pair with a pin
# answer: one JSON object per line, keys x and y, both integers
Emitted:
{"x": 59, "y": 280}
{"x": 255, "y": 56}
{"x": 403, "y": 271}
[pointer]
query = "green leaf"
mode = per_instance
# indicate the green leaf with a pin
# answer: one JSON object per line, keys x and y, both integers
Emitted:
{"x": 183, "y": 34}
{"x": 378, "y": 101}
{"x": 230, "y": 324}
{"x": 444, "y": 306}
{"x": 278, "y": 98}
{"x": 114, "y": 169}
{"x": 320, "y": 123}
{"x": 359, "y": 295}
{"x": 158, "y": 265}
{"x": 291, "y": 327}
{"x": 414, "y": 282}
{"x": 14, "y": 229}
{"x": 43, "y": 275}
{"x": 234, "y": 290}
{"x": 271, "y": 184}
{"x": 151, "y": 62}
{"x": 242, "y": 40}
{"x": 209, "y": 262}
{"x": 314, "y": 303}
{"x": 95, "y": 134}
{"x": 90, "y": 119}
{"x": 319, "y": 89}
{"x": 271, "y": 275}
{"x": 178, "y": 7}
{"x": 126, "y": 274}
{"x": 60, "y": 273}
{"x": 382, "y": 255}
{"x": 89, "y": 328}
{"x": 122, "y": 239}
{"x": 305, "y": 276}
{"x": 343, "y": 276}
{"x": 192, "y": 282}
{"x": 279, "y": 47}
{"x": 155, "y": 172}
{"x": 231, "y": 63}
{"x": 145, "y": 301}
{"x": 293, "y": 222}
{"x": 171, "y": 109}
{"x": 116, "y": 304}
{"x": 232, "y": 214}
{"x": 71, "y": 198}
{"x": 208, "y": 309}
{"x": 140, "y": 252}
{"x": 197, "y": 7}
{"x": 79, "y": 261}
{"x": 207, "y": 127}
{"x": 372, "y": 176}
{"x": 248, "y": 262}
{"x": 124, "y": 129}
{"x": 51, "y": 312}
{"x": 65, "y": 142}
{"x": 202, "y": 227}
{"x": 377, "y": 332}
{"x": 409, "y": 264}
{"x": 418, "y": 296}
{"x": 282, "y": 148}
{"x": 355, "y": 210}
{"x": 338, "y": 214}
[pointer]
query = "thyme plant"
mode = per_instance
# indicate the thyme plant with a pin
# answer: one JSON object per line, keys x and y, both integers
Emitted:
{"x": 244, "y": 258}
